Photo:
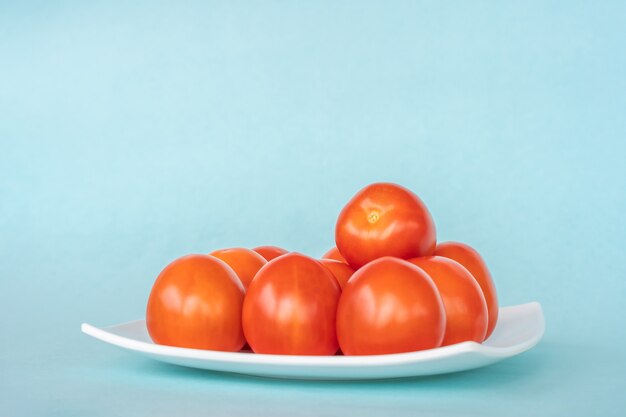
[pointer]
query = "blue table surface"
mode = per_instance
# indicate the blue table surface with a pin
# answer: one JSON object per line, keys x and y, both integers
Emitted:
{"x": 131, "y": 134}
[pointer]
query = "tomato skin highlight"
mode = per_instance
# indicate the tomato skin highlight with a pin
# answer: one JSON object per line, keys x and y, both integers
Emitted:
{"x": 290, "y": 308}
{"x": 270, "y": 252}
{"x": 384, "y": 219}
{"x": 333, "y": 253}
{"x": 340, "y": 270}
{"x": 474, "y": 263}
{"x": 389, "y": 306}
{"x": 245, "y": 262}
{"x": 196, "y": 302}
{"x": 463, "y": 300}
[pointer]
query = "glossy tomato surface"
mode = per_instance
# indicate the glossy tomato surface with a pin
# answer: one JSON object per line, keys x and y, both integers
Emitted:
{"x": 340, "y": 270}
{"x": 245, "y": 262}
{"x": 290, "y": 308}
{"x": 333, "y": 253}
{"x": 389, "y": 306}
{"x": 196, "y": 303}
{"x": 384, "y": 220}
{"x": 463, "y": 300}
{"x": 471, "y": 259}
{"x": 270, "y": 252}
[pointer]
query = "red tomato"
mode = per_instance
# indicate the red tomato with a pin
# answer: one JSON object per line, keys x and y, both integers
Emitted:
{"x": 389, "y": 306}
{"x": 340, "y": 270}
{"x": 290, "y": 308}
{"x": 463, "y": 300}
{"x": 334, "y": 253}
{"x": 196, "y": 303}
{"x": 470, "y": 259}
{"x": 270, "y": 252}
{"x": 384, "y": 220}
{"x": 245, "y": 262}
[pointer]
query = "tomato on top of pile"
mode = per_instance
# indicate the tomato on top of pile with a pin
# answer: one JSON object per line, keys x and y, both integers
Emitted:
{"x": 387, "y": 287}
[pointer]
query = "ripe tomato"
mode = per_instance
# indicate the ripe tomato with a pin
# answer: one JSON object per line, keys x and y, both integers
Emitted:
{"x": 389, "y": 306}
{"x": 245, "y": 262}
{"x": 290, "y": 308}
{"x": 270, "y": 252}
{"x": 340, "y": 270}
{"x": 470, "y": 259}
{"x": 384, "y": 220}
{"x": 463, "y": 300}
{"x": 334, "y": 253}
{"x": 196, "y": 303}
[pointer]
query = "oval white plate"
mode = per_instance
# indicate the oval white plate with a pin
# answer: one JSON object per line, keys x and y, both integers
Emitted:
{"x": 519, "y": 328}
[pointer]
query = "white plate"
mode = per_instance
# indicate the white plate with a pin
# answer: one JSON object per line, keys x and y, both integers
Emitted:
{"x": 519, "y": 328}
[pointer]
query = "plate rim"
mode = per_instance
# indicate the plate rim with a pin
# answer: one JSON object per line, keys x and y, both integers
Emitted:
{"x": 312, "y": 360}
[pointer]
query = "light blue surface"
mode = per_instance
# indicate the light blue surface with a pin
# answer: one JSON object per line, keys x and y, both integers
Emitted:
{"x": 133, "y": 134}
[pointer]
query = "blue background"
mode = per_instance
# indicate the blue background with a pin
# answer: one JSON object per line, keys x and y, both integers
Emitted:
{"x": 131, "y": 134}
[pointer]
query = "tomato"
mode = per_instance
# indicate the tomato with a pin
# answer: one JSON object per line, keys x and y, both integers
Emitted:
{"x": 245, "y": 262}
{"x": 384, "y": 220}
{"x": 196, "y": 303}
{"x": 334, "y": 253}
{"x": 340, "y": 270}
{"x": 290, "y": 308}
{"x": 463, "y": 300}
{"x": 470, "y": 259}
{"x": 270, "y": 252}
{"x": 389, "y": 306}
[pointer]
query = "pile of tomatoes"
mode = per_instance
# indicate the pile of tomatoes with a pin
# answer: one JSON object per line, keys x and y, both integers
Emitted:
{"x": 387, "y": 287}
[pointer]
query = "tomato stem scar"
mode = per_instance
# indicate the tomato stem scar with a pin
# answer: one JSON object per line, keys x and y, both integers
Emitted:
{"x": 373, "y": 217}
